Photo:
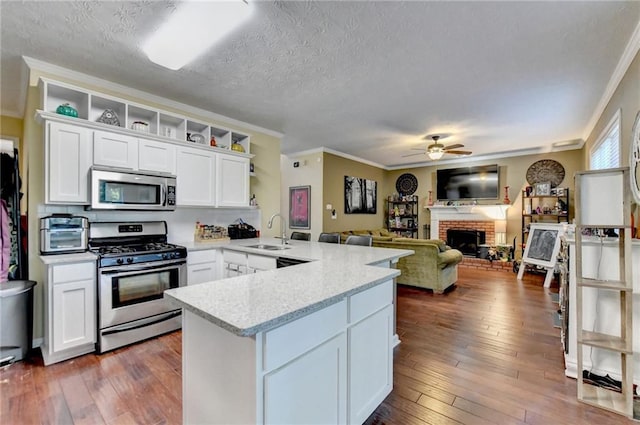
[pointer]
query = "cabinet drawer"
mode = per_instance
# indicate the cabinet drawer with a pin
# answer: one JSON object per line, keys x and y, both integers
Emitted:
{"x": 200, "y": 257}
{"x": 73, "y": 272}
{"x": 293, "y": 339}
{"x": 261, "y": 262}
{"x": 368, "y": 302}
{"x": 235, "y": 257}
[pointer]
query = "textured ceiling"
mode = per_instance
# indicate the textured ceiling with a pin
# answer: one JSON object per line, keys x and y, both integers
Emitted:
{"x": 365, "y": 78}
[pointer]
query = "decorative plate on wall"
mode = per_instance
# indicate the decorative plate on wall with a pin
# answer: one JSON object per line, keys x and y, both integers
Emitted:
{"x": 545, "y": 170}
{"x": 407, "y": 184}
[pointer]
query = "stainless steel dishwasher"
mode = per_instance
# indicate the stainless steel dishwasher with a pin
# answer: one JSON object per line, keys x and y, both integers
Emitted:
{"x": 286, "y": 262}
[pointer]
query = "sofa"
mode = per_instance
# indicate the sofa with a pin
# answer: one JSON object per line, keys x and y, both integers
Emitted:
{"x": 434, "y": 265}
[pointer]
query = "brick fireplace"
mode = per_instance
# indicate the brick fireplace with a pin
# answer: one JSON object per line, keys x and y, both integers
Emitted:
{"x": 467, "y": 217}
{"x": 481, "y": 218}
{"x": 486, "y": 226}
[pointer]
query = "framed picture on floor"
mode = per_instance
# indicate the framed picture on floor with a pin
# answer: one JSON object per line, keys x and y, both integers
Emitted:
{"x": 300, "y": 207}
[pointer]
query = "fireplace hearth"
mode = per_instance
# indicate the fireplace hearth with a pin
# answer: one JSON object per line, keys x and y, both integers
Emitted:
{"x": 467, "y": 241}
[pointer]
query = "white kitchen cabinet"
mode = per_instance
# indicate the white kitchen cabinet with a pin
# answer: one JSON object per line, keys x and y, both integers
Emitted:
{"x": 240, "y": 263}
{"x": 156, "y": 156}
{"x": 317, "y": 379}
{"x": 201, "y": 266}
{"x": 68, "y": 153}
{"x": 232, "y": 179}
{"x": 70, "y": 311}
{"x": 332, "y": 366}
{"x": 258, "y": 263}
{"x": 196, "y": 172}
{"x": 235, "y": 263}
{"x": 115, "y": 150}
{"x": 370, "y": 363}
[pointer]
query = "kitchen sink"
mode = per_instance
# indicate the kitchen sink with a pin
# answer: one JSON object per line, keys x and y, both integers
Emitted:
{"x": 269, "y": 247}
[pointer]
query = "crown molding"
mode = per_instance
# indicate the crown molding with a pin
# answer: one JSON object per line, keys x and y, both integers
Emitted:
{"x": 630, "y": 52}
{"x": 337, "y": 153}
{"x": 500, "y": 155}
{"x": 577, "y": 145}
{"x": 80, "y": 77}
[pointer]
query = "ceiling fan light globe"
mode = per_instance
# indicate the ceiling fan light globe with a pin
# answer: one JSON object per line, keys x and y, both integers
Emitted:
{"x": 435, "y": 155}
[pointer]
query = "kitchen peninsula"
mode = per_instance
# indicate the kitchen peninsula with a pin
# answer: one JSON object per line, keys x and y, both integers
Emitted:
{"x": 310, "y": 343}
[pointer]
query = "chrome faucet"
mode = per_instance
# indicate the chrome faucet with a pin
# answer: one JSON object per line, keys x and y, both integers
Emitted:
{"x": 283, "y": 227}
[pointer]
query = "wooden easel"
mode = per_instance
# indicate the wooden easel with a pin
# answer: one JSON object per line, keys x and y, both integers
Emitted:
{"x": 547, "y": 279}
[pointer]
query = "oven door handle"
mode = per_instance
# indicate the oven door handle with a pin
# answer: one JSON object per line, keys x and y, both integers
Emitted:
{"x": 133, "y": 269}
{"x": 143, "y": 322}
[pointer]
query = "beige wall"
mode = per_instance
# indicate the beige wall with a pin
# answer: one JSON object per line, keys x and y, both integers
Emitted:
{"x": 308, "y": 173}
{"x": 626, "y": 98}
{"x": 10, "y": 126}
{"x": 334, "y": 170}
{"x": 34, "y": 155}
{"x": 512, "y": 173}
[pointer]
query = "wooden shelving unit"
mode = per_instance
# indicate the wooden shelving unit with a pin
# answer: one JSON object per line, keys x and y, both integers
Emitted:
{"x": 531, "y": 203}
{"x": 593, "y": 190}
{"x": 404, "y": 222}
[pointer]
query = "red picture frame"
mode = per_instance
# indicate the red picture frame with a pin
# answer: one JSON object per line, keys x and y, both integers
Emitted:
{"x": 300, "y": 207}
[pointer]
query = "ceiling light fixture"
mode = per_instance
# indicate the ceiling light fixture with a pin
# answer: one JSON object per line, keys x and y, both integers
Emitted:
{"x": 192, "y": 29}
{"x": 435, "y": 153}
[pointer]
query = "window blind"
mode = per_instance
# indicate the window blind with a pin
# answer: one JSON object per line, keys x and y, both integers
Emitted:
{"x": 607, "y": 152}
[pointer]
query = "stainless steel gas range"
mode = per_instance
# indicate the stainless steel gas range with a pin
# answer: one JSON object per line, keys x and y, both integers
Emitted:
{"x": 135, "y": 266}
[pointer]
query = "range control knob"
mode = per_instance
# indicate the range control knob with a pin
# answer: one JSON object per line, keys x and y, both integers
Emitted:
{"x": 165, "y": 256}
{"x": 129, "y": 260}
{"x": 119, "y": 261}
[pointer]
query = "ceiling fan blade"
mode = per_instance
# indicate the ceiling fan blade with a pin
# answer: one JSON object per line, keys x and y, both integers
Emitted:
{"x": 459, "y": 152}
{"x": 456, "y": 146}
{"x": 418, "y": 149}
{"x": 413, "y": 154}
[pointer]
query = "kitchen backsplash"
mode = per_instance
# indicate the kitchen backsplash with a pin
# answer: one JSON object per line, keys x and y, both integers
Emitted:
{"x": 180, "y": 222}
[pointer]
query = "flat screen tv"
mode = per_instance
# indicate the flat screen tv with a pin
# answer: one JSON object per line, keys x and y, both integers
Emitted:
{"x": 480, "y": 182}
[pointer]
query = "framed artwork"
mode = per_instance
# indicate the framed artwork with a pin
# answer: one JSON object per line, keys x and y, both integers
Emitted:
{"x": 360, "y": 195}
{"x": 543, "y": 244}
{"x": 543, "y": 189}
{"x": 300, "y": 207}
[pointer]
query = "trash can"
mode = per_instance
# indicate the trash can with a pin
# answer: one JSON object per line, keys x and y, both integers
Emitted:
{"x": 16, "y": 320}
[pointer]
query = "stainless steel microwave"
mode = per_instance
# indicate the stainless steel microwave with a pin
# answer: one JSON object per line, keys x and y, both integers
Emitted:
{"x": 130, "y": 190}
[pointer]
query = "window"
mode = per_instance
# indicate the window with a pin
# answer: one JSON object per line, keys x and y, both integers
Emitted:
{"x": 606, "y": 152}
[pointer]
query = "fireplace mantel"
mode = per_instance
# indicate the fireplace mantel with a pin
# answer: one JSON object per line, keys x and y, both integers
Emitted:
{"x": 465, "y": 213}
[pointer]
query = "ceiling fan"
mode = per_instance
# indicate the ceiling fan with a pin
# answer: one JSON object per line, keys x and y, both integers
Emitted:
{"x": 436, "y": 150}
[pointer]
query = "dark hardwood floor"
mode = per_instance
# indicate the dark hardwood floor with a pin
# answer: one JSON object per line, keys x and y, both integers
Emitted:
{"x": 485, "y": 352}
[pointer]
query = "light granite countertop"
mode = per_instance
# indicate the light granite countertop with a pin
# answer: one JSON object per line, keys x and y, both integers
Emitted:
{"x": 68, "y": 258}
{"x": 246, "y": 305}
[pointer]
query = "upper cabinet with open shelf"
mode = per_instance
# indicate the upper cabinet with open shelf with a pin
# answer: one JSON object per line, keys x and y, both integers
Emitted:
{"x": 139, "y": 118}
